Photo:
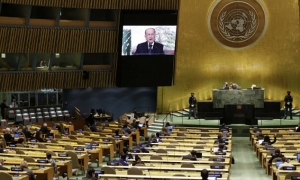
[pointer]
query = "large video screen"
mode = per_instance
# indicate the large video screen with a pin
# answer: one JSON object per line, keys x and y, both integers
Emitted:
{"x": 147, "y": 48}
{"x": 148, "y": 40}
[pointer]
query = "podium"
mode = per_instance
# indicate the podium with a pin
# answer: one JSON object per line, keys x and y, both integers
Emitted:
{"x": 239, "y": 114}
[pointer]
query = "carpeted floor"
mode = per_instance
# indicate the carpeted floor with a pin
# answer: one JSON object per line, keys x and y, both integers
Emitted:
{"x": 247, "y": 166}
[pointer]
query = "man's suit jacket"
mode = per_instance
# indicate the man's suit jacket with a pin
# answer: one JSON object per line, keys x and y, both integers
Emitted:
{"x": 142, "y": 49}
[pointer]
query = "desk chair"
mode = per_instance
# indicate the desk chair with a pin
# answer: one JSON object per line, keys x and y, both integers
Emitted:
{"x": 5, "y": 176}
{"x": 187, "y": 165}
{"x": 108, "y": 170}
{"x": 155, "y": 157}
{"x": 75, "y": 164}
{"x": 134, "y": 171}
{"x": 42, "y": 146}
{"x": 29, "y": 159}
{"x": 69, "y": 147}
{"x": 161, "y": 151}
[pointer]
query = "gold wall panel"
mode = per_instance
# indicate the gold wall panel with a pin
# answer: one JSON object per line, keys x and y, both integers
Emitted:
{"x": 103, "y": 4}
{"x": 202, "y": 64}
{"x": 59, "y": 80}
{"x": 61, "y": 40}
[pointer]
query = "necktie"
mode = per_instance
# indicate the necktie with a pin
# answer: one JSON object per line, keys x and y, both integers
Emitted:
{"x": 150, "y": 49}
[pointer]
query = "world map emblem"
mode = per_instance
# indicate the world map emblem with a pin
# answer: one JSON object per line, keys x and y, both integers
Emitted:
{"x": 237, "y": 24}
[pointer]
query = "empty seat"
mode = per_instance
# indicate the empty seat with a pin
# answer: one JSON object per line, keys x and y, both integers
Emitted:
{"x": 66, "y": 115}
{"x": 51, "y": 109}
{"x": 46, "y": 116}
{"x": 38, "y": 110}
{"x": 24, "y": 111}
{"x": 60, "y": 116}
{"x": 53, "y": 115}
{"x": 19, "y": 118}
{"x": 26, "y": 119}
{"x": 18, "y": 111}
{"x": 39, "y": 117}
{"x": 32, "y": 117}
{"x": 31, "y": 111}
{"x": 11, "y": 114}
{"x": 58, "y": 109}
{"x": 45, "y": 110}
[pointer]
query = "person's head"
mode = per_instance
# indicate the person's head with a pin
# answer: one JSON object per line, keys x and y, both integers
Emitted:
{"x": 150, "y": 35}
{"x": 125, "y": 126}
{"x": 219, "y": 136}
{"x": 125, "y": 150}
{"x": 284, "y": 159}
{"x": 267, "y": 138}
{"x": 224, "y": 125}
{"x": 20, "y": 141}
{"x": 117, "y": 132}
{"x": 14, "y": 100}
{"x": 168, "y": 124}
{"x": 277, "y": 152}
{"x": 123, "y": 157}
{"x": 299, "y": 125}
{"x": 288, "y": 92}
{"x": 146, "y": 138}
{"x": 90, "y": 172}
{"x": 193, "y": 153}
{"x": 7, "y": 130}
{"x": 204, "y": 174}
{"x": 157, "y": 134}
{"x": 45, "y": 124}
{"x": 48, "y": 156}
{"x": 192, "y": 94}
{"x": 226, "y": 83}
{"x": 1, "y": 162}
{"x": 24, "y": 164}
{"x": 153, "y": 136}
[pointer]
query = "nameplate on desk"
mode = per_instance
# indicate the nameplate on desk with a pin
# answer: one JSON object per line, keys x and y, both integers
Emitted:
{"x": 215, "y": 175}
{"x": 219, "y": 159}
{"x": 66, "y": 133}
{"x": 117, "y": 136}
{"x": 217, "y": 167}
{"x": 62, "y": 155}
{"x": 94, "y": 144}
{"x": 12, "y": 145}
{"x": 79, "y": 149}
{"x": 106, "y": 140}
{"x": 270, "y": 148}
{"x": 50, "y": 137}
{"x": 136, "y": 151}
{"x": 16, "y": 169}
{"x": 289, "y": 168}
{"x": 220, "y": 153}
{"x": 33, "y": 140}
{"x": 42, "y": 161}
{"x": 295, "y": 177}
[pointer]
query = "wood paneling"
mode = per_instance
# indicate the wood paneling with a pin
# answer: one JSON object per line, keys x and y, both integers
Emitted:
{"x": 103, "y": 4}
{"x": 25, "y": 81}
{"x": 60, "y": 40}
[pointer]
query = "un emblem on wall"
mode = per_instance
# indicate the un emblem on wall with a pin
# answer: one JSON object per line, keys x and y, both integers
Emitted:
{"x": 237, "y": 24}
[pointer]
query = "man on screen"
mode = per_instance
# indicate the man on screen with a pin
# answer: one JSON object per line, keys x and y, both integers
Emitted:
{"x": 150, "y": 47}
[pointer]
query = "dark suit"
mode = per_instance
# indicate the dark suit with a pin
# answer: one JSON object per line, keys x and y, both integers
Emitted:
{"x": 44, "y": 130}
{"x": 8, "y": 138}
{"x": 288, "y": 100}
{"x": 3, "y": 106}
{"x": 124, "y": 163}
{"x": 3, "y": 168}
{"x": 143, "y": 49}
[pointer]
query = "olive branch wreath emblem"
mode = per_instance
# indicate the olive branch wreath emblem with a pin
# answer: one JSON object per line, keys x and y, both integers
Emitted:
{"x": 246, "y": 35}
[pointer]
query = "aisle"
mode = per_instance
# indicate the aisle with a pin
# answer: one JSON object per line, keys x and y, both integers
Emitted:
{"x": 246, "y": 165}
